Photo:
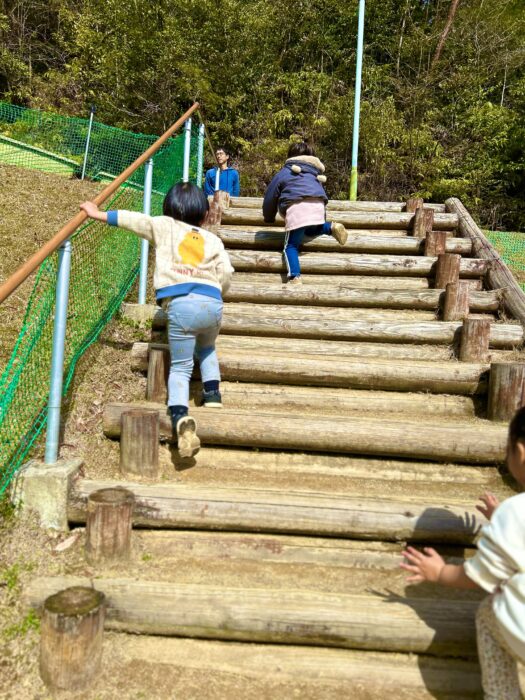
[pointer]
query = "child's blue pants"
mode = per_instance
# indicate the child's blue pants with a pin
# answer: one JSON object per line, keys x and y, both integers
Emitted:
{"x": 293, "y": 241}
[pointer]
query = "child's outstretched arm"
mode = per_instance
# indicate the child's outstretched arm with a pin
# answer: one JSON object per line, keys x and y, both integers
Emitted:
{"x": 93, "y": 211}
{"x": 428, "y": 565}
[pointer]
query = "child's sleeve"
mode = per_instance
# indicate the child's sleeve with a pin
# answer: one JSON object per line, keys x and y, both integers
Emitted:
{"x": 271, "y": 200}
{"x": 133, "y": 221}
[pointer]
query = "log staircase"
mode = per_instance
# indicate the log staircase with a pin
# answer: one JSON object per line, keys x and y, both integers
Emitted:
{"x": 349, "y": 428}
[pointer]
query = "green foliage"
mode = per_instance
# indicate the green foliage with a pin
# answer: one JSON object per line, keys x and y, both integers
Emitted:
{"x": 265, "y": 74}
{"x": 29, "y": 622}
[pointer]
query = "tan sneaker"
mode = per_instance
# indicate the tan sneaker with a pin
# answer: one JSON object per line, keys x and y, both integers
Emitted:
{"x": 188, "y": 443}
{"x": 295, "y": 280}
{"x": 339, "y": 233}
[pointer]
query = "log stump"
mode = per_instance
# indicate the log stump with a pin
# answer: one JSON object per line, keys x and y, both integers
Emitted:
{"x": 413, "y": 204}
{"x": 506, "y": 390}
{"x": 71, "y": 638}
{"x": 475, "y": 339}
{"x": 456, "y": 304}
{"x": 435, "y": 243}
{"x": 158, "y": 373}
{"x": 108, "y": 525}
{"x": 423, "y": 222}
{"x": 447, "y": 269}
{"x": 139, "y": 443}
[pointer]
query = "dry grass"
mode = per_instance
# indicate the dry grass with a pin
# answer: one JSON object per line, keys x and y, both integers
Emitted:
{"x": 34, "y": 207}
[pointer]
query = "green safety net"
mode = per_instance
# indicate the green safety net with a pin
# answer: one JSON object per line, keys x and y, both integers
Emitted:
{"x": 104, "y": 263}
{"x": 511, "y": 247}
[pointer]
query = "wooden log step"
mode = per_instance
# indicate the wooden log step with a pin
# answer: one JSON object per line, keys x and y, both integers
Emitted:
{"x": 425, "y": 299}
{"x": 473, "y": 443}
{"x": 349, "y": 263}
{"x": 313, "y": 313}
{"x": 291, "y": 617}
{"x": 351, "y": 219}
{"x": 180, "y": 506}
{"x": 338, "y": 205}
{"x": 190, "y": 667}
{"x": 279, "y": 228}
{"x": 406, "y": 245}
{"x": 299, "y": 346}
{"x": 426, "y": 332}
{"x": 347, "y": 281}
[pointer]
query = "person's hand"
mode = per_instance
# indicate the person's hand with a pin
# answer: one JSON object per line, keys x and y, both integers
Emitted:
{"x": 424, "y": 566}
{"x": 90, "y": 208}
{"x": 490, "y": 503}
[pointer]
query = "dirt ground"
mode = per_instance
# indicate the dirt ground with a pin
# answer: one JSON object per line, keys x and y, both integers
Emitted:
{"x": 43, "y": 204}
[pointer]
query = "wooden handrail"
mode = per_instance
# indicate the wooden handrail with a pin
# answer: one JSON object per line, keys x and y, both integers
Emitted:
{"x": 23, "y": 272}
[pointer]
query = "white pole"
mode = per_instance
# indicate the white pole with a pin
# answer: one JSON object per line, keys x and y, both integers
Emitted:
{"x": 200, "y": 156}
{"x": 144, "y": 248}
{"x": 357, "y": 100}
{"x": 187, "y": 147}
{"x": 90, "y": 126}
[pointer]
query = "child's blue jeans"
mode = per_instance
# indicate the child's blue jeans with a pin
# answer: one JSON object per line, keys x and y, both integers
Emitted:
{"x": 293, "y": 241}
{"x": 194, "y": 321}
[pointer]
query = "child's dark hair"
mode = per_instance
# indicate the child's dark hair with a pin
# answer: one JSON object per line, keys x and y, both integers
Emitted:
{"x": 300, "y": 149}
{"x": 517, "y": 428}
{"x": 186, "y": 202}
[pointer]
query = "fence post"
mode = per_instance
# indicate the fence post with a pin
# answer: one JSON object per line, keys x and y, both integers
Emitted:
{"x": 57, "y": 357}
{"x": 187, "y": 148}
{"x": 90, "y": 126}
{"x": 200, "y": 156}
{"x": 357, "y": 100}
{"x": 144, "y": 248}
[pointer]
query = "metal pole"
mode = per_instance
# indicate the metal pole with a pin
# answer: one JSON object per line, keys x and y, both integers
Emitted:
{"x": 144, "y": 248}
{"x": 357, "y": 100}
{"x": 200, "y": 156}
{"x": 57, "y": 357}
{"x": 217, "y": 178}
{"x": 187, "y": 147}
{"x": 90, "y": 126}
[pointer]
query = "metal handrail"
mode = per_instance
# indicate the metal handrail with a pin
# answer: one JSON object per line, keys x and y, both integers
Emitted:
{"x": 23, "y": 272}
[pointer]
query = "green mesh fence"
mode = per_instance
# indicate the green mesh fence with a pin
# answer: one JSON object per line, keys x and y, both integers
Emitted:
{"x": 511, "y": 247}
{"x": 104, "y": 263}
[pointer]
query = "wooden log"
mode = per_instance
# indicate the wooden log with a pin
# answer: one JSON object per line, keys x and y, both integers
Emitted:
{"x": 139, "y": 447}
{"x": 436, "y": 244}
{"x": 158, "y": 373}
{"x": 350, "y": 219}
{"x": 346, "y": 281}
{"x": 456, "y": 305}
{"x": 423, "y": 222}
{"x": 474, "y": 340}
{"x": 425, "y": 332}
{"x": 348, "y": 263}
{"x": 292, "y": 312}
{"x": 178, "y": 505}
{"x": 447, "y": 270}
{"x": 413, "y": 204}
{"x": 498, "y": 274}
{"x": 213, "y": 219}
{"x": 469, "y": 443}
{"x": 428, "y": 299}
{"x": 323, "y": 673}
{"x": 338, "y": 205}
{"x": 71, "y": 636}
{"x": 506, "y": 390}
{"x": 434, "y": 627}
{"x": 108, "y": 529}
{"x": 356, "y": 243}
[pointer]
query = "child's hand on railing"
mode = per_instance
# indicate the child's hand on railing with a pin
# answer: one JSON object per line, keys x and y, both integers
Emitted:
{"x": 93, "y": 211}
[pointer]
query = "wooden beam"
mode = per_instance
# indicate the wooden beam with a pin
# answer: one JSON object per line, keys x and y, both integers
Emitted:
{"x": 447, "y": 270}
{"x": 498, "y": 273}
{"x": 337, "y": 205}
{"x": 423, "y": 223}
{"x": 139, "y": 447}
{"x": 506, "y": 390}
{"x": 470, "y": 443}
{"x": 413, "y": 204}
{"x": 475, "y": 339}
{"x": 108, "y": 526}
{"x": 436, "y": 244}
{"x": 347, "y": 263}
{"x": 456, "y": 304}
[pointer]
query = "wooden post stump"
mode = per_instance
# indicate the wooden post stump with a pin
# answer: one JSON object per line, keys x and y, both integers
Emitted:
{"x": 213, "y": 220}
{"x": 413, "y": 204}
{"x": 139, "y": 443}
{"x": 71, "y": 638}
{"x": 435, "y": 243}
{"x": 108, "y": 525}
{"x": 475, "y": 338}
{"x": 506, "y": 390}
{"x": 456, "y": 304}
{"x": 423, "y": 222}
{"x": 158, "y": 372}
{"x": 447, "y": 269}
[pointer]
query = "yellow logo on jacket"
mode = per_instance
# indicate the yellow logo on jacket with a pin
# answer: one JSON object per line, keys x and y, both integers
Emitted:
{"x": 191, "y": 249}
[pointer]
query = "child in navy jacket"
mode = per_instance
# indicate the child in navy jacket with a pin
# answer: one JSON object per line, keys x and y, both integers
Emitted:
{"x": 298, "y": 193}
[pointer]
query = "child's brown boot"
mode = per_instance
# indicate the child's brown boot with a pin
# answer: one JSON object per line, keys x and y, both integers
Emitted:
{"x": 188, "y": 443}
{"x": 339, "y": 233}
